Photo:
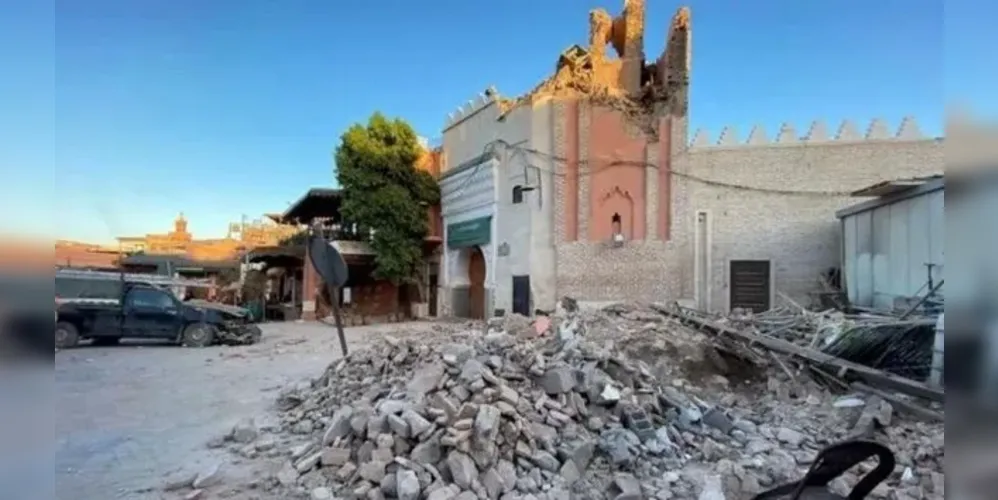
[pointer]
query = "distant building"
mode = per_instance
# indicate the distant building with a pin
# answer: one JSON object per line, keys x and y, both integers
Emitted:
{"x": 72, "y": 254}
{"x": 180, "y": 241}
{"x": 173, "y": 242}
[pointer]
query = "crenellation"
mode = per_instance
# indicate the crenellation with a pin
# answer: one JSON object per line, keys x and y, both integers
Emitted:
{"x": 729, "y": 137}
{"x": 909, "y": 129}
{"x": 701, "y": 139}
{"x": 847, "y": 132}
{"x": 877, "y": 131}
{"x": 487, "y": 98}
{"x": 787, "y": 135}
{"x": 818, "y": 132}
{"x": 757, "y": 136}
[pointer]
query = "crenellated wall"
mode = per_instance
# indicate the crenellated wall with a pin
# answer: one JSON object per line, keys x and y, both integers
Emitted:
{"x": 775, "y": 199}
{"x": 470, "y": 128}
{"x": 817, "y": 133}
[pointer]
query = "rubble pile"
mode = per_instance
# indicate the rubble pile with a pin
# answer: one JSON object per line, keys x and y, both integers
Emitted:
{"x": 604, "y": 404}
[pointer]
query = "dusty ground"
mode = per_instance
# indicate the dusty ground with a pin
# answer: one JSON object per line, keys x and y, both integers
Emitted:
{"x": 128, "y": 416}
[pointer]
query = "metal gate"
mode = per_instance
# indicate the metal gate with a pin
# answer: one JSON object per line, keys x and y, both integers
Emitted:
{"x": 750, "y": 285}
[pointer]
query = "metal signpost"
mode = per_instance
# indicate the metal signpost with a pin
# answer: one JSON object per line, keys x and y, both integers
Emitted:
{"x": 331, "y": 267}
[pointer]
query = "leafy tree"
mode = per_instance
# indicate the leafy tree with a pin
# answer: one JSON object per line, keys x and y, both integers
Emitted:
{"x": 383, "y": 190}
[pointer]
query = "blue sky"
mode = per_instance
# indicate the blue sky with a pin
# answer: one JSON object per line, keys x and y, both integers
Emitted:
{"x": 222, "y": 108}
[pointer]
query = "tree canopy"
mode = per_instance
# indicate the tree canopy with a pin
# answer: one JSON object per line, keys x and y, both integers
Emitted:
{"x": 384, "y": 191}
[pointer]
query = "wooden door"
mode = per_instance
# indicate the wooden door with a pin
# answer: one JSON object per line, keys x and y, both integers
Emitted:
{"x": 434, "y": 283}
{"x": 521, "y": 295}
{"x": 476, "y": 290}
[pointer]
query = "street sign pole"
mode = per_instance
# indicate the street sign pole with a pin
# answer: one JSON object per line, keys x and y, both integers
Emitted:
{"x": 331, "y": 267}
{"x": 334, "y": 294}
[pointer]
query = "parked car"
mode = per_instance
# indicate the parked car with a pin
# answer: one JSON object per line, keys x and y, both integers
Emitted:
{"x": 145, "y": 311}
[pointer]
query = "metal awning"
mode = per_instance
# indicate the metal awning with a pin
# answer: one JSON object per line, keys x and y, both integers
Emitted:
{"x": 278, "y": 256}
{"x": 902, "y": 191}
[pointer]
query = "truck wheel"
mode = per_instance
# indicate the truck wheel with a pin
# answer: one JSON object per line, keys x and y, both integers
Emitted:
{"x": 66, "y": 335}
{"x": 198, "y": 335}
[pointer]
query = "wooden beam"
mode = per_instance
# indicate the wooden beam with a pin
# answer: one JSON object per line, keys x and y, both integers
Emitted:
{"x": 906, "y": 406}
{"x": 838, "y": 366}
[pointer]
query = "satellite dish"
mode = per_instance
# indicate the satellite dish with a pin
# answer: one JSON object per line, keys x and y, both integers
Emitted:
{"x": 327, "y": 260}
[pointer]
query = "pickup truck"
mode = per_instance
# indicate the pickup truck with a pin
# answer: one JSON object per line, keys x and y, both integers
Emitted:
{"x": 148, "y": 312}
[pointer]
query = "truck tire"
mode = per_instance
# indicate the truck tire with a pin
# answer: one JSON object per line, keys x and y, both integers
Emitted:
{"x": 66, "y": 335}
{"x": 198, "y": 335}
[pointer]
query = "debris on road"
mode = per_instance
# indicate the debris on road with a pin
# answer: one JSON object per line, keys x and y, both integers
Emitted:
{"x": 624, "y": 402}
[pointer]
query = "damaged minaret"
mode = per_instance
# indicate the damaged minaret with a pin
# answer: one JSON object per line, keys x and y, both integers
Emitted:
{"x": 626, "y": 33}
{"x": 625, "y": 81}
{"x": 673, "y": 66}
{"x": 627, "y": 74}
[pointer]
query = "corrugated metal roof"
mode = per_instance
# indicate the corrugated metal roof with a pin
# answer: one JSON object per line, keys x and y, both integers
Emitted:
{"x": 927, "y": 185}
{"x": 891, "y": 187}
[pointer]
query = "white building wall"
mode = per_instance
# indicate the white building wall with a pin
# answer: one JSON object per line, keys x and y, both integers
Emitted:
{"x": 469, "y": 192}
{"x": 469, "y": 130}
{"x": 515, "y": 220}
{"x": 543, "y": 262}
{"x": 523, "y": 231}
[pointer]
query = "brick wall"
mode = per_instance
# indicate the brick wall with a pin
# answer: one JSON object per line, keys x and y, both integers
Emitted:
{"x": 798, "y": 233}
{"x": 375, "y": 299}
{"x": 651, "y": 264}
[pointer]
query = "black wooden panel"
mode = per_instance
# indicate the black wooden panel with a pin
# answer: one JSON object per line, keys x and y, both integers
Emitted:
{"x": 750, "y": 285}
{"x": 521, "y": 295}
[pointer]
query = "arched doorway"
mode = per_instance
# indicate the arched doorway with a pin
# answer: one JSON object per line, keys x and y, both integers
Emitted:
{"x": 476, "y": 280}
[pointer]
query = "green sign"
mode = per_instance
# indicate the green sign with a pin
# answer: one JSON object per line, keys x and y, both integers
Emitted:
{"x": 470, "y": 232}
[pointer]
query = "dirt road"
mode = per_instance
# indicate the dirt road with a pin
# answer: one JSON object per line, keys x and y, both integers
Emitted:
{"x": 128, "y": 416}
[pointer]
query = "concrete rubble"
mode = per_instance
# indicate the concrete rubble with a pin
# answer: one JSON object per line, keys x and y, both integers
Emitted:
{"x": 619, "y": 403}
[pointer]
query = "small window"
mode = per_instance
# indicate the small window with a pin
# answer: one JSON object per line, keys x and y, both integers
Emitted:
{"x": 517, "y": 194}
{"x": 148, "y": 298}
{"x": 615, "y": 223}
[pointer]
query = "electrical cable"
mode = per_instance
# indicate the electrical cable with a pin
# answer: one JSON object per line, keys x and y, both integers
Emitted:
{"x": 603, "y": 163}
